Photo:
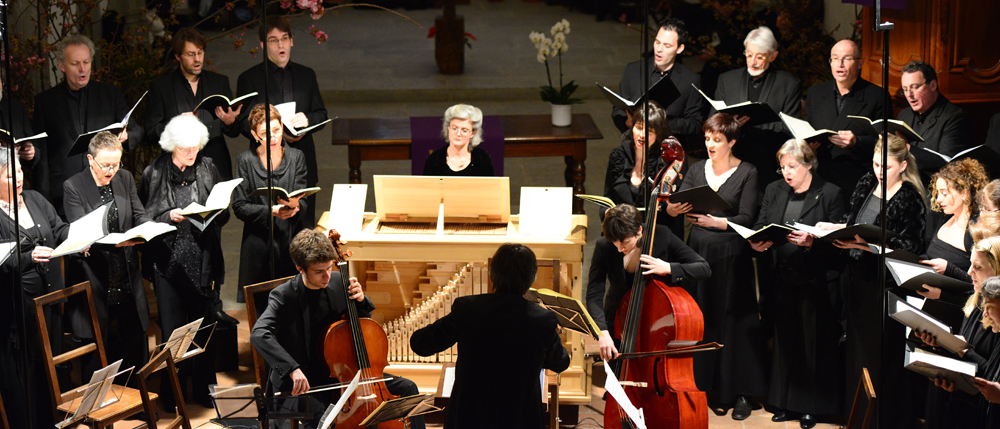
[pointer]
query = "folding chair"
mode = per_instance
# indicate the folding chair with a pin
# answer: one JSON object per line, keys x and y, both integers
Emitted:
{"x": 130, "y": 402}
{"x": 152, "y": 367}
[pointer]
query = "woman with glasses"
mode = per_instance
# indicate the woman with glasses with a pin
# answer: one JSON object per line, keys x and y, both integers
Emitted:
{"x": 41, "y": 229}
{"x": 187, "y": 267}
{"x": 463, "y": 130}
{"x": 288, "y": 171}
{"x": 804, "y": 283}
{"x": 113, "y": 271}
{"x": 728, "y": 300}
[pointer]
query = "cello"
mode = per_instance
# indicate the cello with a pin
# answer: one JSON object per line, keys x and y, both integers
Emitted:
{"x": 357, "y": 345}
{"x": 657, "y": 317}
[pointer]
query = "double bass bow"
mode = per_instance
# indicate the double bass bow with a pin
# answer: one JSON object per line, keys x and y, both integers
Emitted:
{"x": 357, "y": 345}
{"x": 655, "y": 315}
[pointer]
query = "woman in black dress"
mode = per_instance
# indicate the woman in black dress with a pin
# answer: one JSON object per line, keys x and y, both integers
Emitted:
{"x": 728, "y": 299}
{"x": 462, "y": 156}
{"x": 187, "y": 267}
{"x": 41, "y": 229}
{"x": 289, "y": 173}
{"x": 804, "y": 281}
{"x": 955, "y": 192}
{"x": 905, "y": 214}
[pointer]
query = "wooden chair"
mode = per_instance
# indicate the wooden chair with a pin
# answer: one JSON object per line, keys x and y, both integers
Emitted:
{"x": 865, "y": 392}
{"x": 130, "y": 402}
{"x": 253, "y": 293}
{"x": 4, "y": 424}
{"x": 182, "y": 419}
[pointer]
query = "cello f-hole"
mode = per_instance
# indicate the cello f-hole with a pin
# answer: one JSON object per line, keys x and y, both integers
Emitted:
{"x": 656, "y": 377}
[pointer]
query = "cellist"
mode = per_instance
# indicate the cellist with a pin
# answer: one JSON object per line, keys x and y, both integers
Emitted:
{"x": 298, "y": 314}
{"x": 616, "y": 261}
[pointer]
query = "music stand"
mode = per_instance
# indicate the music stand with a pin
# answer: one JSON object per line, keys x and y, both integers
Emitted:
{"x": 181, "y": 340}
{"x": 401, "y": 408}
{"x": 570, "y": 312}
{"x": 93, "y": 394}
{"x": 244, "y": 406}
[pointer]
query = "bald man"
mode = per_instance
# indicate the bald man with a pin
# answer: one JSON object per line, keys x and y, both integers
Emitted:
{"x": 846, "y": 156}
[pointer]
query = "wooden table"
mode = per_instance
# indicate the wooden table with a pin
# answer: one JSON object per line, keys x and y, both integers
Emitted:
{"x": 373, "y": 139}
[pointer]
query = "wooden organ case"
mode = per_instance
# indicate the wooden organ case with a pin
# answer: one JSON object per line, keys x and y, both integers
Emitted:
{"x": 430, "y": 242}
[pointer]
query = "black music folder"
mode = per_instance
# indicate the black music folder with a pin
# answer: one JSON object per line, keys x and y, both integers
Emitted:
{"x": 83, "y": 140}
{"x": 874, "y": 128}
{"x": 758, "y": 112}
{"x": 703, "y": 200}
{"x": 774, "y": 233}
{"x": 218, "y": 100}
{"x": 663, "y": 92}
{"x": 914, "y": 276}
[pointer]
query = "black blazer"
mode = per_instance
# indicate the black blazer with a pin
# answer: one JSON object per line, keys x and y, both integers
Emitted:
{"x": 782, "y": 91}
{"x": 281, "y": 334}
{"x": 105, "y": 105}
{"x": 49, "y": 231}
{"x": 82, "y": 197}
{"x": 164, "y": 102}
{"x": 685, "y": 114}
{"x": 946, "y": 129}
{"x": 305, "y": 94}
{"x": 823, "y": 203}
{"x": 837, "y": 165}
{"x": 607, "y": 272}
{"x": 905, "y": 214}
{"x": 505, "y": 341}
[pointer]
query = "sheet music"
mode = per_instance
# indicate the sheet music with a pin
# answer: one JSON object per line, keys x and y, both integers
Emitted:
{"x": 6, "y": 250}
{"x": 449, "y": 382}
{"x": 347, "y": 209}
{"x": 234, "y": 402}
{"x": 83, "y": 232}
{"x": 616, "y": 391}
{"x": 546, "y": 211}
{"x": 347, "y": 394}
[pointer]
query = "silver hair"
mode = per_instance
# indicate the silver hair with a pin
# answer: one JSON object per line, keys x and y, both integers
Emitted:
{"x": 76, "y": 39}
{"x": 462, "y": 112}
{"x": 4, "y": 158}
{"x": 801, "y": 151}
{"x": 184, "y": 131}
{"x": 763, "y": 38}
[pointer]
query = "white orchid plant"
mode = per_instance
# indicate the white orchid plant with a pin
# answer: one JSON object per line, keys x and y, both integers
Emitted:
{"x": 554, "y": 48}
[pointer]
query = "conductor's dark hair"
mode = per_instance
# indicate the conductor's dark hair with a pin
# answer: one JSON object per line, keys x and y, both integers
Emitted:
{"x": 186, "y": 35}
{"x": 513, "y": 269}
{"x": 677, "y": 26}
{"x": 279, "y": 22}
{"x": 621, "y": 222}
{"x": 723, "y": 123}
{"x": 922, "y": 67}
{"x": 310, "y": 247}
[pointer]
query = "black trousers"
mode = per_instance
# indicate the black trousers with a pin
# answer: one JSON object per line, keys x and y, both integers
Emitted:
{"x": 180, "y": 304}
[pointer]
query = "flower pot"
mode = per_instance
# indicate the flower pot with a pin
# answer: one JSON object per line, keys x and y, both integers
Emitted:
{"x": 562, "y": 115}
{"x": 449, "y": 44}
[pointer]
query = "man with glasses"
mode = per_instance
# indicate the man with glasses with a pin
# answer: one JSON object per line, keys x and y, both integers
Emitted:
{"x": 945, "y": 127}
{"x": 73, "y": 107}
{"x": 113, "y": 271}
{"x": 846, "y": 156}
{"x": 178, "y": 92}
{"x": 760, "y": 82}
{"x": 684, "y": 114}
{"x": 289, "y": 81}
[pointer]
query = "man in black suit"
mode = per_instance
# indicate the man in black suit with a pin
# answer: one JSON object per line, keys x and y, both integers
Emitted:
{"x": 505, "y": 342}
{"x": 296, "y": 319}
{"x": 113, "y": 271}
{"x": 178, "y": 92}
{"x": 945, "y": 127}
{"x": 73, "y": 107}
{"x": 760, "y": 82}
{"x": 846, "y": 156}
{"x": 684, "y": 115}
{"x": 289, "y": 82}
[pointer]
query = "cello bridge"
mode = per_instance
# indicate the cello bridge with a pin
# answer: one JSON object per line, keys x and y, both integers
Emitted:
{"x": 633, "y": 383}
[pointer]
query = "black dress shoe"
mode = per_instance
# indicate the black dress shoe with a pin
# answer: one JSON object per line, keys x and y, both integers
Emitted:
{"x": 783, "y": 416}
{"x": 807, "y": 421}
{"x": 225, "y": 319}
{"x": 742, "y": 408}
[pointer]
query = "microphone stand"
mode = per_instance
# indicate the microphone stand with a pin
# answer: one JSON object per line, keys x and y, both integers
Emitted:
{"x": 17, "y": 289}
{"x": 884, "y": 28}
{"x": 644, "y": 51}
{"x": 267, "y": 147}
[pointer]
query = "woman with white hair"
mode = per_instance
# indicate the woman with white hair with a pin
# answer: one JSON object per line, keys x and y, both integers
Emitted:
{"x": 41, "y": 230}
{"x": 463, "y": 130}
{"x": 186, "y": 268}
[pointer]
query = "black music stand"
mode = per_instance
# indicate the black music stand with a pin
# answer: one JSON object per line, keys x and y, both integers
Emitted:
{"x": 401, "y": 408}
{"x": 245, "y": 406}
{"x": 570, "y": 312}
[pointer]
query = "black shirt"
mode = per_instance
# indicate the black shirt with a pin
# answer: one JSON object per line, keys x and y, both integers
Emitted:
{"x": 282, "y": 78}
{"x": 480, "y": 165}
{"x": 756, "y": 86}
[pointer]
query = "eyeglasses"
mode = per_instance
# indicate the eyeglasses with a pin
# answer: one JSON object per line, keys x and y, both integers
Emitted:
{"x": 789, "y": 167}
{"x": 283, "y": 40}
{"x": 275, "y": 132}
{"x": 844, "y": 60}
{"x": 108, "y": 168}
{"x": 913, "y": 88}
{"x": 199, "y": 53}
{"x": 187, "y": 150}
{"x": 461, "y": 131}
{"x": 753, "y": 56}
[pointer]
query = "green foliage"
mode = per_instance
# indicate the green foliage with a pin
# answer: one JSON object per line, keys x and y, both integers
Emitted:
{"x": 563, "y": 95}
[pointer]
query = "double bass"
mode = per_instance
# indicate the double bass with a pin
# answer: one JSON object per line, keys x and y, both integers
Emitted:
{"x": 357, "y": 345}
{"x": 658, "y": 317}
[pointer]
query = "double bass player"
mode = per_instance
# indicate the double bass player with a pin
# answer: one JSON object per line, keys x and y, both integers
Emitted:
{"x": 297, "y": 316}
